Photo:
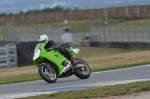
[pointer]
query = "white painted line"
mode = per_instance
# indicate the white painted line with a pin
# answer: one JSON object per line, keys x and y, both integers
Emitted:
{"x": 103, "y": 83}
{"x": 117, "y": 82}
{"x": 21, "y": 95}
{"x": 123, "y": 69}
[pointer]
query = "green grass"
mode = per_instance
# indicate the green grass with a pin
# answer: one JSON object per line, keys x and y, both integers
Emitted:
{"x": 19, "y": 78}
{"x": 98, "y": 92}
{"x": 32, "y": 77}
{"x": 3, "y": 36}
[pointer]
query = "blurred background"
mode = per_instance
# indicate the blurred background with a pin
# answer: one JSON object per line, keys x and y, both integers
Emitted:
{"x": 96, "y": 23}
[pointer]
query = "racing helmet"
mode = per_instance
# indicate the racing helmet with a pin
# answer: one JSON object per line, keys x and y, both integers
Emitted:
{"x": 43, "y": 38}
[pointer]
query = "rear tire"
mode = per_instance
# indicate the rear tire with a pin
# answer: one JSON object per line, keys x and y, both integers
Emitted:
{"x": 82, "y": 72}
{"x": 50, "y": 77}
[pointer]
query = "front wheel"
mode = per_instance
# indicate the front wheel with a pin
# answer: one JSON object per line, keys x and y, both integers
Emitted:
{"x": 82, "y": 69}
{"x": 49, "y": 77}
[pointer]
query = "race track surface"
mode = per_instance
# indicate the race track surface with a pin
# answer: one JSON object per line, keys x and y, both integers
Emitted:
{"x": 141, "y": 72}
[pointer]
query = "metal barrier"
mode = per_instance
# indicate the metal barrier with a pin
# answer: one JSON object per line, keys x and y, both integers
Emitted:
{"x": 125, "y": 32}
{"x": 8, "y": 56}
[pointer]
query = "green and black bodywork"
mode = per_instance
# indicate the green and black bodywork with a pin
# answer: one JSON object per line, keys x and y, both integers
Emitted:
{"x": 53, "y": 64}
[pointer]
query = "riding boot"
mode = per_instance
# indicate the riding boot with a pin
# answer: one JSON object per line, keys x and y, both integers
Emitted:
{"x": 73, "y": 61}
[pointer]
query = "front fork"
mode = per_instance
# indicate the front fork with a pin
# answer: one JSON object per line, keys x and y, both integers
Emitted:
{"x": 48, "y": 67}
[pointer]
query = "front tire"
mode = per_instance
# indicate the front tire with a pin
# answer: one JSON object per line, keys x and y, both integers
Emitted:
{"x": 50, "y": 77}
{"x": 82, "y": 72}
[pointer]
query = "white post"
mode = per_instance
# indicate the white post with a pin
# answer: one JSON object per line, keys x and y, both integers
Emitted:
{"x": 138, "y": 12}
{"x": 66, "y": 21}
{"x": 127, "y": 12}
{"x": 106, "y": 16}
{"x": 7, "y": 56}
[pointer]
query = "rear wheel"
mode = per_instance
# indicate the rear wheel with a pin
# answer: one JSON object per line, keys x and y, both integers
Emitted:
{"x": 82, "y": 71}
{"x": 49, "y": 77}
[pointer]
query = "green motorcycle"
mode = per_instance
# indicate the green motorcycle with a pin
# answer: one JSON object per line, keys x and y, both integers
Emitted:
{"x": 52, "y": 64}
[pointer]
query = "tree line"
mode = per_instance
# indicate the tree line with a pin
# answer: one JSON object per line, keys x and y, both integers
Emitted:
{"x": 35, "y": 11}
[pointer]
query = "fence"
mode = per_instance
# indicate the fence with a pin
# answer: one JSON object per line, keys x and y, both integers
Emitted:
{"x": 105, "y": 13}
{"x": 29, "y": 34}
{"x": 26, "y": 34}
{"x": 124, "y": 32}
{"x": 8, "y": 56}
{"x": 104, "y": 32}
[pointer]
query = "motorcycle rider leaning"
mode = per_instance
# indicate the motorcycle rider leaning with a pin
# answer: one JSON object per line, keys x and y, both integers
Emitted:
{"x": 51, "y": 44}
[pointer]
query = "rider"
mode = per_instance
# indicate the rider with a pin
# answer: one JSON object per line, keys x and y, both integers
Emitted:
{"x": 52, "y": 44}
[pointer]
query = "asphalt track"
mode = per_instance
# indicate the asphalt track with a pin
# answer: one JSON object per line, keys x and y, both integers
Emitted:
{"x": 74, "y": 83}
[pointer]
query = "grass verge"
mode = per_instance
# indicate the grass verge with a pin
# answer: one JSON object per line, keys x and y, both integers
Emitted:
{"x": 98, "y": 92}
{"x": 32, "y": 77}
{"x": 19, "y": 78}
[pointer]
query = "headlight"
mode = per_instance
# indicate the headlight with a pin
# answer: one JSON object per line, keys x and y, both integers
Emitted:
{"x": 36, "y": 54}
